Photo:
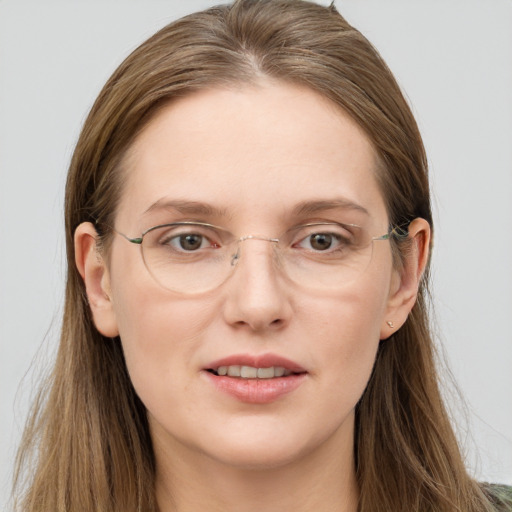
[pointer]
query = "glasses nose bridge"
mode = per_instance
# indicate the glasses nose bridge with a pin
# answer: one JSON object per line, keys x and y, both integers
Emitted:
{"x": 236, "y": 256}
{"x": 257, "y": 237}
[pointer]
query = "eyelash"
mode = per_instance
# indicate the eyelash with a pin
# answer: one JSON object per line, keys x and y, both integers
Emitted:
{"x": 172, "y": 239}
{"x": 341, "y": 241}
{"x": 167, "y": 240}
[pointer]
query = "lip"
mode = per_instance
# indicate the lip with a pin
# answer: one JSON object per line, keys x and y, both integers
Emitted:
{"x": 256, "y": 391}
{"x": 257, "y": 361}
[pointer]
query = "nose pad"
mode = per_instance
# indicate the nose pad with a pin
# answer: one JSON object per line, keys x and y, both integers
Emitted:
{"x": 235, "y": 256}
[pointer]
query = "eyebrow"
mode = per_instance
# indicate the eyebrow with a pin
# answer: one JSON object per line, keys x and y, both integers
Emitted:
{"x": 187, "y": 207}
{"x": 310, "y": 207}
{"x": 302, "y": 208}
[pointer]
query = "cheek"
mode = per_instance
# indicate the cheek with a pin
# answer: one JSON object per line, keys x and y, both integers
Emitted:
{"x": 150, "y": 319}
{"x": 152, "y": 324}
{"x": 161, "y": 339}
{"x": 158, "y": 331}
{"x": 346, "y": 330}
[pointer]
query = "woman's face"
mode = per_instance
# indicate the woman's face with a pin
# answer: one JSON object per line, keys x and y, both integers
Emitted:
{"x": 254, "y": 160}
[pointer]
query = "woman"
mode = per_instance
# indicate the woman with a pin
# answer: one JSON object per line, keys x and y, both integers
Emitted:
{"x": 248, "y": 228}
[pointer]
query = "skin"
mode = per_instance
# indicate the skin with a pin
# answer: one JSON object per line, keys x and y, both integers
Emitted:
{"x": 255, "y": 152}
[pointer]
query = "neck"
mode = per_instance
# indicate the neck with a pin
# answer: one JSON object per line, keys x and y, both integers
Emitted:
{"x": 187, "y": 482}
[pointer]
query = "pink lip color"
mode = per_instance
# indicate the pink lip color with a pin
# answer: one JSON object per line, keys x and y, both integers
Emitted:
{"x": 260, "y": 361}
{"x": 256, "y": 391}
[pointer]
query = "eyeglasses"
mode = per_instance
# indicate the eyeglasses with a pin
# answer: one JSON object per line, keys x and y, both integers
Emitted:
{"x": 195, "y": 257}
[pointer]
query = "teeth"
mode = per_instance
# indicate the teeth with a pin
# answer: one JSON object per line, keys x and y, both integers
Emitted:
{"x": 234, "y": 371}
{"x": 249, "y": 372}
{"x": 266, "y": 373}
{"x": 278, "y": 371}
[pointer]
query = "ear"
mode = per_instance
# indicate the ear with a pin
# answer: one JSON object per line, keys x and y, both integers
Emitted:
{"x": 93, "y": 269}
{"x": 404, "y": 287}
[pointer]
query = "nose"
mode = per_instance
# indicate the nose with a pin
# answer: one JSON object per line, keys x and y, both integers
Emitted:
{"x": 257, "y": 297}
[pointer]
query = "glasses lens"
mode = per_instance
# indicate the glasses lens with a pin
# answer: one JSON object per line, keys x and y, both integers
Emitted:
{"x": 326, "y": 255}
{"x": 185, "y": 257}
{"x": 193, "y": 258}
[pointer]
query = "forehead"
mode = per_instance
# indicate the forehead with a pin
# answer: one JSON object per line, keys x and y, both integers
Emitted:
{"x": 259, "y": 150}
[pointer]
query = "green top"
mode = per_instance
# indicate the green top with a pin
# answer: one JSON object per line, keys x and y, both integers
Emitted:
{"x": 500, "y": 496}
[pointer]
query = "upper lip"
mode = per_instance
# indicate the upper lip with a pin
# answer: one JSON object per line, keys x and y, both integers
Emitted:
{"x": 257, "y": 361}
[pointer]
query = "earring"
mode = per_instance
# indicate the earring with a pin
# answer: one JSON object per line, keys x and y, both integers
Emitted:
{"x": 391, "y": 324}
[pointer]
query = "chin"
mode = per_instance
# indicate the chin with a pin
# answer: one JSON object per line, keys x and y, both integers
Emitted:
{"x": 267, "y": 447}
{"x": 254, "y": 458}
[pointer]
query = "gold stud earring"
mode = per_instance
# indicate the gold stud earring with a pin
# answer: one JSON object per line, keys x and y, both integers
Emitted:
{"x": 391, "y": 324}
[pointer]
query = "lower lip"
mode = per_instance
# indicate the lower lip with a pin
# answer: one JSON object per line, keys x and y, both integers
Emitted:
{"x": 256, "y": 391}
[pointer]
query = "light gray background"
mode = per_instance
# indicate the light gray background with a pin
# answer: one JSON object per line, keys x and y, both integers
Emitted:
{"x": 454, "y": 60}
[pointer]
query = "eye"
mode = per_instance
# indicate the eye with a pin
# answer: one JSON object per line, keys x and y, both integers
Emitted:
{"x": 188, "y": 242}
{"x": 183, "y": 239}
{"x": 320, "y": 242}
{"x": 332, "y": 239}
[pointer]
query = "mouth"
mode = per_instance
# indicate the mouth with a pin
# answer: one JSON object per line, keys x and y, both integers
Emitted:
{"x": 251, "y": 372}
{"x": 246, "y": 366}
{"x": 255, "y": 379}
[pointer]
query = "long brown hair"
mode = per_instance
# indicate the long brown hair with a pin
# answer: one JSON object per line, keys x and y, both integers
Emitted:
{"x": 87, "y": 445}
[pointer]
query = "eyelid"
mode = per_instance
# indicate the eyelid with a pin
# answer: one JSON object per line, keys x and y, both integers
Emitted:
{"x": 217, "y": 235}
{"x": 182, "y": 223}
{"x": 345, "y": 226}
{"x": 230, "y": 237}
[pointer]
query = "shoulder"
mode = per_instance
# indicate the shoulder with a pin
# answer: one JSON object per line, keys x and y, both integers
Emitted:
{"x": 499, "y": 495}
